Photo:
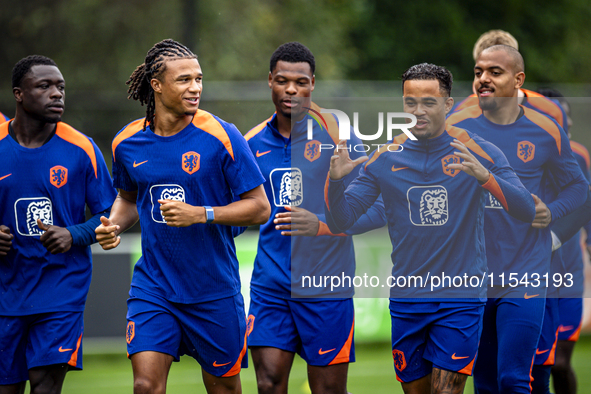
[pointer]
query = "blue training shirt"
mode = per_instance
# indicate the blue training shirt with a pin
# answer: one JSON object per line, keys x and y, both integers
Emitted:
{"x": 208, "y": 163}
{"x": 572, "y": 254}
{"x": 54, "y": 182}
{"x": 296, "y": 169}
{"x": 435, "y": 213}
{"x": 536, "y": 146}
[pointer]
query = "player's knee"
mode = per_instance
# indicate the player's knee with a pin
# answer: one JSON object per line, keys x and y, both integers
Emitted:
{"x": 561, "y": 366}
{"x": 508, "y": 383}
{"x": 143, "y": 385}
{"x": 269, "y": 383}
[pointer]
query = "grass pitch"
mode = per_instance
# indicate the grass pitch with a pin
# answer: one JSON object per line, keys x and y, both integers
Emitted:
{"x": 372, "y": 373}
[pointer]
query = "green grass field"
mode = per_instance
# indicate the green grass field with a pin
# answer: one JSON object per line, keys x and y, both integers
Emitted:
{"x": 372, "y": 373}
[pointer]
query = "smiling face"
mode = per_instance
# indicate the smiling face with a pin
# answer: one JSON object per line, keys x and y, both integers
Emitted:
{"x": 496, "y": 75}
{"x": 179, "y": 86}
{"x": 291, "y": 87}
{"x": 423, "y": 99}
{"x": 42, "y": 93}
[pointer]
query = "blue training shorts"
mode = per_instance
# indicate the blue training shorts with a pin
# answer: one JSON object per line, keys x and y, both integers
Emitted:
{"x": 213, "y": 332}
{"x": 38, "y": 340}
{"x": 570, "y": 311}
{"x": 546, "y": 349}
{"x": 321, "y": 332}
{"x": 434, "y": 334}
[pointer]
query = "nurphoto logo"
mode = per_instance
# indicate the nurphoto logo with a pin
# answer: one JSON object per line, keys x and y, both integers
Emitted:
{"x": 345, "y": 128}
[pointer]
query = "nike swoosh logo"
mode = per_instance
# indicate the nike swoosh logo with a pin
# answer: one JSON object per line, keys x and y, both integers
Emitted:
{"x": 564, "y": 329}
{"x": 5, "y": 176}
{"x": 138, "y": 164}
{"x": 215, "y": 364}
{"x": 394, "y": 169}
{"x": 64, "y": 350}
{"x": 325, "y": 351}
{"x": 259, "y": 154}
{"x": 531, "y": 296}
{"x": 542, "y": 352}
{"x": 454, "y": 357}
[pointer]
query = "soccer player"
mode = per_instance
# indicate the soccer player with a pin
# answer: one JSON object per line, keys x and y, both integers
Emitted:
{"x": 570, "y": 303}
{"x": 178, "y": 171}
{"x": 535, "y": 146}
{"x": 320, "y": 330}
{"x": 50, "y": 173}
{"x": 527, "y": 98}
{"x": 434, "y": 194}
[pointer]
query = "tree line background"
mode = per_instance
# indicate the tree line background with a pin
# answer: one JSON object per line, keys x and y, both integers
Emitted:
{"x": 361, "y": 47}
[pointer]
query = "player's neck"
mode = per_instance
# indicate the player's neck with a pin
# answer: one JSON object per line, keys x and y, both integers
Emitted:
{"x": 520, "y": 96}
{"x": 167, "y": 124}
{"x": 505, "y": 114}
{"x": 283, "y": 125}
{"x": 31, "y": 133}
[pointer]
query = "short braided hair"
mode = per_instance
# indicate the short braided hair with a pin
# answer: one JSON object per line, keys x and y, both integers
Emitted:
{"x": 427, "y": 71}
{"x": 293, "y": 52}
{"x": 154, "y": 65}
{"x": 23, "y": 66}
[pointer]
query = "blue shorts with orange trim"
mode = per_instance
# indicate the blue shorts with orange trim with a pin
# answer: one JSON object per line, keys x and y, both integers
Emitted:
{"x": 321, "y": 332}
{"x": 38, "y": 340}
{"x": 213, "y": 332}
{"x": 570, "y": 311}
{"x": 546, "y": 350}
{"x": 427, "y": 335}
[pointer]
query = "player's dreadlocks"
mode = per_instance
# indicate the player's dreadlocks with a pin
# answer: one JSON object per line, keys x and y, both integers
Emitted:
{"x": 140, "y": 88}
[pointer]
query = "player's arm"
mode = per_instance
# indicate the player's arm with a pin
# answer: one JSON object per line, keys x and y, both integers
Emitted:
{"x": 252, "y": 208}
{"x": 571, "y": 181}
{"x": 566, "y": 227}
{"x": 346, "y": 204}
{"x": 5, "y": 240}
{"x": 123, "y": 215}
{"x": 99, "y": 197}
{"x": 58, "y": 239}
{"x": 499, "y": 179}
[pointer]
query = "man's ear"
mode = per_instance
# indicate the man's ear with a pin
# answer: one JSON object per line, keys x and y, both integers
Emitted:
{"x": 156, "y": 85}
{"x": 519, "y": 79}
{"x": 18, "y": 94}
{"x": 449, "y": 104}
{"x": 270, "y": 79}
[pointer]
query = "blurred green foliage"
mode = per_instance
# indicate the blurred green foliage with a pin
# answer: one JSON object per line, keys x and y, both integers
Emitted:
{"x": 98, "y": 43}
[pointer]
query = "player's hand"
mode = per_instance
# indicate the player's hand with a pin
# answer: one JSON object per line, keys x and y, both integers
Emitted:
{"x": 341, "y": 164}
{"x": 106, "y": 234}
{"x": 298, "y": 221}
{"x": 5, "y": 240}
{"x": 543, "y": 214}
{"x": 470, "y": 165}
{"x": 56, "y": 239}
{"x": 180, "y": 214}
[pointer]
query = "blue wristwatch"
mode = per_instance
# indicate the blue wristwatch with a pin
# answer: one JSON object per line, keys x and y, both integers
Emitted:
{"x": 209, "y": 214}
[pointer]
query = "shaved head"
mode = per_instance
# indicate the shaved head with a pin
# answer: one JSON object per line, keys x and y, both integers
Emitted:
{"x": 517, "y": 63}
{"x": 493, "y": 37}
